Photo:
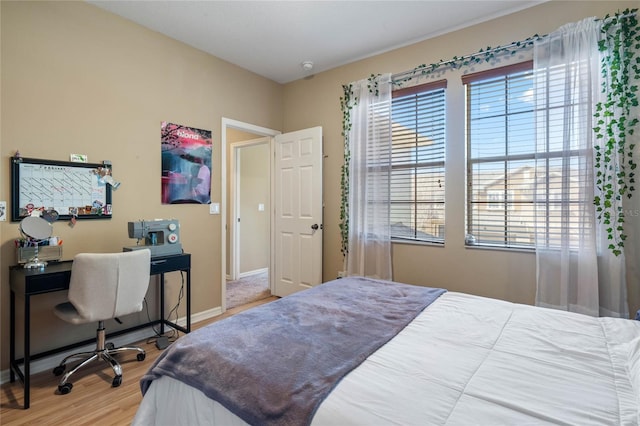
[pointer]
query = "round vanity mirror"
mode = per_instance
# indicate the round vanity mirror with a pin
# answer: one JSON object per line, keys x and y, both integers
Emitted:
{"x": 37, "y": 229}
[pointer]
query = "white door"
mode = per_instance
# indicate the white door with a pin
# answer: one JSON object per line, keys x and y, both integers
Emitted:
{"x": 298, "y": 211}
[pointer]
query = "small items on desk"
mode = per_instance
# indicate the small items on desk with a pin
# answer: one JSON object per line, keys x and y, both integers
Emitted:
{"x": 28, "y": 242}
{"x": 27, "y": 251}
{"x": 37, "y": 245}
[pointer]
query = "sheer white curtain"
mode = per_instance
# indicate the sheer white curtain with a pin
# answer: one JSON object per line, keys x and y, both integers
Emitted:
{"x": 369, "y": 248}
{"x": 575, "y": 269}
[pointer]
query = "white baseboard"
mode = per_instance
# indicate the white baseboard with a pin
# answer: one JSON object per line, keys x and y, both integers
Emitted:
{"x": 201, "y": 316}
{"x": 254, "y": 272}
{"x": 48, "y": 363}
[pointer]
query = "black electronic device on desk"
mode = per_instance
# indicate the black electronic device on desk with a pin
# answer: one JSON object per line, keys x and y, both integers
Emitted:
{"x": 161, "y": 236}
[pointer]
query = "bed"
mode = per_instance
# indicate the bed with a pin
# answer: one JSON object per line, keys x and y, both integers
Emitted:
{"x": 394, "y": 353}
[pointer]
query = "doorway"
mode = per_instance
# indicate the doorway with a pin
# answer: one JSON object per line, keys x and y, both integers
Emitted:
{"x": 295, "y": 220}
{"x": 244, "y": 143}
{"x": 249, "y": 207}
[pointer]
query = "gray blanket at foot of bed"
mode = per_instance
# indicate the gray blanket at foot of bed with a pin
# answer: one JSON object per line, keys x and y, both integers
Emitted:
{"x": 275, "y": 364}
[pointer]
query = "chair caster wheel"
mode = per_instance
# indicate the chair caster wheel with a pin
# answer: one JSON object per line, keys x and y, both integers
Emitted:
{"x": 59, "y": 370}
{"x": 65, "y": 389}
{"x": 117, "y": 381}
{"x": 109, "y": 346}
{"x": 141, "y": 357}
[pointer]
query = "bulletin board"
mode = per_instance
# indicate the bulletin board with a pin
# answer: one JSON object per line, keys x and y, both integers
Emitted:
{"x": 71, "y": 189}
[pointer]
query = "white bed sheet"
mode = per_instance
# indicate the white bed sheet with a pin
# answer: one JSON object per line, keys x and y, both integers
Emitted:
{"x": 466, "y": 360}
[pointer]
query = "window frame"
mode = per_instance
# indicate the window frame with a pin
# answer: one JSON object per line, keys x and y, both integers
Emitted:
{"x": 439, "y": 164}
{"x": 509, "y": 201}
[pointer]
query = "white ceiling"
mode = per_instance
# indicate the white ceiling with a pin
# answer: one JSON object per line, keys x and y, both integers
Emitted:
{"x": 273, "y": 38}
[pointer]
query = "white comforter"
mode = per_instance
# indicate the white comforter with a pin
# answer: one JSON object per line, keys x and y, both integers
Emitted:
{"x": 467, "y": 360}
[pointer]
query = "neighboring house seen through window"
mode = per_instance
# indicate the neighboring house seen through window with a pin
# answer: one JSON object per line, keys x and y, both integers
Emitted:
{"x": 501, "y": 152}
{"x": 418, "y": 163}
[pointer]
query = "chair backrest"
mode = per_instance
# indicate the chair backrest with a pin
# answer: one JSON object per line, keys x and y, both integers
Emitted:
{"x": 108, "y": 285}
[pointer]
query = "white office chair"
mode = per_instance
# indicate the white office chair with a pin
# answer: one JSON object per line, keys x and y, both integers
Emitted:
{"x": 103, "y": 286}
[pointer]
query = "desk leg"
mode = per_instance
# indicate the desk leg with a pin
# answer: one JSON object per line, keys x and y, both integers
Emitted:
{"x": 162, "y": 303}
{"x": 12, "y": 335}
{"x": 27, "y": 349}
{"x": 188, "y": 300}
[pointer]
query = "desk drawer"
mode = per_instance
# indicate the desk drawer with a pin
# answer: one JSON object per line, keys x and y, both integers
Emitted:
{"x": 50, "y": 282}
{"x": 176, "y": 262}
{"x": 53, "y": 277}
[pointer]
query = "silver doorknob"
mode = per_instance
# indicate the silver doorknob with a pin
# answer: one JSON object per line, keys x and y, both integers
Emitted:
{"x": 315, "y": 226}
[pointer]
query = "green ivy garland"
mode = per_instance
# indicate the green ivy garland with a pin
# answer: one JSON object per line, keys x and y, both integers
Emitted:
{"x": 457, "y": 62}
{"x": 616, "y": 124}
{"x": 346, "y": 105}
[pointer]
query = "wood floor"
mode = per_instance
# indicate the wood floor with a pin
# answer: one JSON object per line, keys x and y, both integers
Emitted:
{"x": 92, "y": 401}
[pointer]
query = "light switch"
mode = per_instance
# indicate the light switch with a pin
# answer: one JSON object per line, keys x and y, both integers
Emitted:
{"x": 214, "y": 208}
{"x": 260, "y": 207}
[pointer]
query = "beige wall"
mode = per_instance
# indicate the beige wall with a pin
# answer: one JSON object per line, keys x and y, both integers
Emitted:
{"x": 76, "y": 79}
{"x": 316, "y": 101}
{"x": 255, "y": 227}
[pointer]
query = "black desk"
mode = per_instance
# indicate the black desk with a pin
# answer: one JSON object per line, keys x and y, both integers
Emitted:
{"x": 55, "y": 277}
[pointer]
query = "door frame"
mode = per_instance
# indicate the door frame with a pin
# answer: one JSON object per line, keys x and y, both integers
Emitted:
{"x": 228, "y": 123}
{"x": 234, "y": 207}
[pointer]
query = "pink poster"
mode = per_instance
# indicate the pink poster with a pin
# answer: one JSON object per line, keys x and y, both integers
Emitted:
{"x": 186, "y": 164}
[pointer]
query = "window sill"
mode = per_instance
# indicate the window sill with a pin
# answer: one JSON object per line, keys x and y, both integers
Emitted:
{"x": 417, "y": 243}
{"x": 498, "y": 248}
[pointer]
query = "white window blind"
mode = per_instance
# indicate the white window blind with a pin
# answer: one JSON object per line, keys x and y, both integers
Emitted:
{"x": 418, "y": 163}
{"x": 501, "y": 153}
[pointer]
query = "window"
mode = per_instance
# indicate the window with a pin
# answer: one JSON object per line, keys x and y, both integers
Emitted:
{"x": 508, "y": 182}
{"x": 417, "y": 163}
{"x": 501, "y": 156}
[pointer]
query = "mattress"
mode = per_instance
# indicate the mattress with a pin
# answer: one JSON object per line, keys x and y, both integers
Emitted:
{"x": 466, "y": 360}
